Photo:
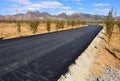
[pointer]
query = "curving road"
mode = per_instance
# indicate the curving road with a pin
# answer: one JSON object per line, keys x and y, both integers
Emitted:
{"x": 43, "y": 57}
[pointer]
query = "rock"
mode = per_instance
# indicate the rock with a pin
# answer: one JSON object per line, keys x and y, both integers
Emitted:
{"x": 109, "y": 74}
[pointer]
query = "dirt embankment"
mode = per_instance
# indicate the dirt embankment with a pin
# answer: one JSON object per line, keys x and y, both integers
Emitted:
{"x": 107, "y": 63}
{"x": 99, "y": 62}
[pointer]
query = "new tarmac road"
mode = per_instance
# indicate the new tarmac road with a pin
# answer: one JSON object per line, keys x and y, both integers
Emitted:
{"x": 43, "y": 57}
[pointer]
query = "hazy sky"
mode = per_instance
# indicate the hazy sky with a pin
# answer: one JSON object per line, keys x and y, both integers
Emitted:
{"x": 100, "y": 7}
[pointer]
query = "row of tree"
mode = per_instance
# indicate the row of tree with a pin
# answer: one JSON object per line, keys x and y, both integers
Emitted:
{"x": 61, "y": 24}
{"x": 33, "y": 24}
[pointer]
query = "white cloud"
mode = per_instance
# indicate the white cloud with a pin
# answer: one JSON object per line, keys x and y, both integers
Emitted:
{"x": 78, "y": 3}
{"x": 101, "y": 4}
{"x": 66, "y": 8}
{"x": 43, "y": 4}
{"x": 26, "y": 5}
{"x": 22, "y": 1}
{"x": 23, "y": 6}
{"x": 105, "y": 10}
{"x": 80, "y": 8}
{"x": 50, "y": 4}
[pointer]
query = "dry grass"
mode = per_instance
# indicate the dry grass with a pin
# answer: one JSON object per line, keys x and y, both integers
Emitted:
{"x": 104, "y": 58}
{"x": 9, "y": 30}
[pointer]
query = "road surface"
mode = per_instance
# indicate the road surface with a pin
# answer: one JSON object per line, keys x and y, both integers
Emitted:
{"x": 43, "y": 57}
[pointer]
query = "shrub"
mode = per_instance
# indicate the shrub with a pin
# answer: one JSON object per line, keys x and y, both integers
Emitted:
{"x": 72, "y": 23}
{"x": 77, "y": 22}
{"x": 34, "y": 25}
{"x": 68, "y": 23}
{"x": 48, "y": 25}
{"x": 83, "y": 22}
{"x": 18, "y": 26}
{"x": 118, "y": 24}
{"x": 60, "y": 24}
{"x": 109, "y": 24}
{"x": 57, "y": 25}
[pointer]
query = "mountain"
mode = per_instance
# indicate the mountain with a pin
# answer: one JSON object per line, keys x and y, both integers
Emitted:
{"x": 117, "y": 18}
{"x": 37, "y": 14}
{"x": 44, "y": 15}
{"x": 83, "y": 16}
{"x": 0, "y": 15}
{"x": 62, "y": 16}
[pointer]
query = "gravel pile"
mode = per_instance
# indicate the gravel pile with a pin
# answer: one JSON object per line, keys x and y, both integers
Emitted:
{"x": 109, "y": 74}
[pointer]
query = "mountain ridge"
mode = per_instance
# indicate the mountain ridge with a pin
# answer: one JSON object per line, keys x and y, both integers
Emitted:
{"x": 44, "y": 15}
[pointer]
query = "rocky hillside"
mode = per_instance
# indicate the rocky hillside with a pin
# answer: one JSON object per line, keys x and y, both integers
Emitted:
{"x": 45, "y": 15}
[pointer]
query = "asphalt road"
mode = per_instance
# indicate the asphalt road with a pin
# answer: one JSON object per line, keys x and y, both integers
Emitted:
{"x": 43, "y": 57}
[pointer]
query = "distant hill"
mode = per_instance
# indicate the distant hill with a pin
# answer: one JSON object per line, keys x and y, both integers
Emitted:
{"x": 44, "y": 15}
{"x": 0, "y": 15}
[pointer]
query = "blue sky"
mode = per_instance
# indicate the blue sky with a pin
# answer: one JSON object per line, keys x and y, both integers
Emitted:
{"x": 100, "y": 7}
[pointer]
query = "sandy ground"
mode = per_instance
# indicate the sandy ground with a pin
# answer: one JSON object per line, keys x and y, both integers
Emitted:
{"x": 9, "y": 30}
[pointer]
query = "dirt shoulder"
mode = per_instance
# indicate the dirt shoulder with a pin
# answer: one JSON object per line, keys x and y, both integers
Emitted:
{"x": 107, "y": 64}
